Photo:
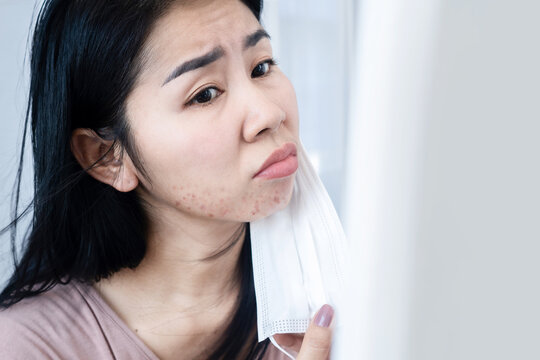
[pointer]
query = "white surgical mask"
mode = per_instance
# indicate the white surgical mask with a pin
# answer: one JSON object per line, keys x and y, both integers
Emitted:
{"x": 299, "y": 255}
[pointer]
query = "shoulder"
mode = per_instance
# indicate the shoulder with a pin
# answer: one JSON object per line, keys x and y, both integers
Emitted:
{"x": 50, "y": 309}
{"x": 18, "y": 341}
{"x": 41, "y": 326}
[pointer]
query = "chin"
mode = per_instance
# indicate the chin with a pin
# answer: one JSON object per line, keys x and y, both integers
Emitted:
{"x": 272, "y": 205}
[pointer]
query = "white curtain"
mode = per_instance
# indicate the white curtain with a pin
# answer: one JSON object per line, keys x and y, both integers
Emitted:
{"x": 394, "y": 42}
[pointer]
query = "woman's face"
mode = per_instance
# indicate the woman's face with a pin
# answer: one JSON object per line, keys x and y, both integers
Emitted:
{"x": 203, "y": 133}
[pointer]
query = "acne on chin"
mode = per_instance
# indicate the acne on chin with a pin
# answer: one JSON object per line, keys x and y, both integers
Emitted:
{"x": 271, "y": 204}
{"x": 221, "y": 203}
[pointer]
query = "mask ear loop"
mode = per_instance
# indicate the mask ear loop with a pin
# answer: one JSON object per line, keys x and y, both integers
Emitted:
{"x": 280, "y": 348}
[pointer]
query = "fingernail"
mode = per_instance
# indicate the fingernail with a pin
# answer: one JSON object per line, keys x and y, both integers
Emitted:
{"x": 324, "y": 316}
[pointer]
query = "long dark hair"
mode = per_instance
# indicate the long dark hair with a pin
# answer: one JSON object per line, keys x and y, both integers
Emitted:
{"x": 85, "y": 58}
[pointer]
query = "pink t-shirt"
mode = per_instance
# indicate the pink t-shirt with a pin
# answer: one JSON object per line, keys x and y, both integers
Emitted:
{"x": 73, "y": 322}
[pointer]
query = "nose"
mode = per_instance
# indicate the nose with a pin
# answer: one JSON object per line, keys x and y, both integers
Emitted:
{"x": 262, "y": 114}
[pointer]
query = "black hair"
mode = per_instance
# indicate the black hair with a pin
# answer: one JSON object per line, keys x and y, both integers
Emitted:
{"x": 85, "y": 59}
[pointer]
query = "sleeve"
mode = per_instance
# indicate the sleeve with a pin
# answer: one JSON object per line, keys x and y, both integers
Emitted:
{"x": 19, "y": 341}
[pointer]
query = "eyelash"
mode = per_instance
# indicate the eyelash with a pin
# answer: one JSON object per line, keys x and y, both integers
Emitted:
{"x": 271, "y": 62}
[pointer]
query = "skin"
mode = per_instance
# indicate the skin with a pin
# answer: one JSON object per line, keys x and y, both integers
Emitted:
{"x": 200, "y": 160}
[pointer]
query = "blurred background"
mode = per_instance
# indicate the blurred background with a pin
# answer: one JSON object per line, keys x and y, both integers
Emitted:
{"x": 422, "y": 118}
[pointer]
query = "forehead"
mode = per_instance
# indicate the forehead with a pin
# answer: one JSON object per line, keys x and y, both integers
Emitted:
{"x": 193, "y": 27}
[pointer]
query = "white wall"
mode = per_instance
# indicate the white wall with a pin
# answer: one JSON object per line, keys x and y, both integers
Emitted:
{"x": 476, "y": 289}
{"x": 443, "y": 194}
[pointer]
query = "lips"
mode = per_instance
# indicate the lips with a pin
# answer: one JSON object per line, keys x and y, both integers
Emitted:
{"x": 278, "y": 155}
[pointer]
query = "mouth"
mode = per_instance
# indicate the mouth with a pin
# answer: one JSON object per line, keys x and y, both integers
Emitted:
{"x": 281, "y": 163}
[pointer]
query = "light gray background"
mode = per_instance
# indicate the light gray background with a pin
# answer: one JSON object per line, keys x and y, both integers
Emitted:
{"x": 15, "y": 22}
{"x": 476, "y": 290}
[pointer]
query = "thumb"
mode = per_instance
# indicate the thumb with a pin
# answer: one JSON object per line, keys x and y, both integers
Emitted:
{"x": 318, "y": 337}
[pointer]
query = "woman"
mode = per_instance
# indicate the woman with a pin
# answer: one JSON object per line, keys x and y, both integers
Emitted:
{"x": 153, "y": 125}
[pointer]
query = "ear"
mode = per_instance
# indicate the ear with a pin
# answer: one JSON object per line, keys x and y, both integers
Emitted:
{"x": 102, "y": 162}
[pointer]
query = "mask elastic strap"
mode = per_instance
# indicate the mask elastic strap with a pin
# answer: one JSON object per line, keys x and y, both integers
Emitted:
{"x": 280, "y": 348}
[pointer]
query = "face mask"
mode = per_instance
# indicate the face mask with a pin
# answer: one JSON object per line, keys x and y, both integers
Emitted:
{"x": 298, "y": 258}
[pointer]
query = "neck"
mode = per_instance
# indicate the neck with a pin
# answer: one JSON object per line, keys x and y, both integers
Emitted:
{"x": 187, "y": 284}
{"x": 193, "y": 262}
{"x": 197, "y": 265}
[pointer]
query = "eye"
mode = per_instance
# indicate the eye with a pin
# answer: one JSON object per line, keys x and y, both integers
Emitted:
{"x": 263, "y": 68}
{"x": 205, "y": 96}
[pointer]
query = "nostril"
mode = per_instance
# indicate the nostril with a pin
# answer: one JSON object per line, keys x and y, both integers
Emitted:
{"x": 260, "y": 132}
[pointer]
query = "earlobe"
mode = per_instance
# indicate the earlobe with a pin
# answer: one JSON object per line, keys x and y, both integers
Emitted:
{"x": 125, "y": 179}
{"x": 103, "y": 162}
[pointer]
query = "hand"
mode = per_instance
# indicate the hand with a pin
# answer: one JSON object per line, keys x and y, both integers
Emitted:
{"x": 315, "y": 343}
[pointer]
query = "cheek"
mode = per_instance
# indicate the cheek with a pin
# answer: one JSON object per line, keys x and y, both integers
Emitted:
{"x": 179, "y": 152}
{"x": 186, "y": 164}
{"x": 240, "y": 204}
{"x": 205, "y": 175}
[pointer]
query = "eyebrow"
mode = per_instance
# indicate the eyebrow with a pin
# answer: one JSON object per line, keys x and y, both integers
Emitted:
{"x": 253, "y": 39}
{"x": 216, "y": 53}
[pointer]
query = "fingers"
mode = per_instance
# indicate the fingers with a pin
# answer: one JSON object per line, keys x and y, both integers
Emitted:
{"x": 290, "y": 341}
{"x": 318, "y": 337}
